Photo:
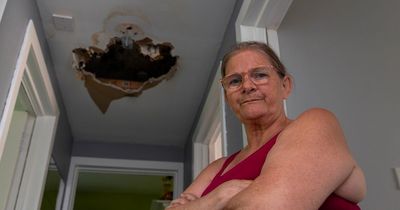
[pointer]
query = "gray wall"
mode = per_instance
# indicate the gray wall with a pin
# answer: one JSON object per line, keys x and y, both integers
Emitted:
{"x": 12, "y": 30}
{"x": 344, "y": 56}
{"x": 128, "y": 151}
{"x": 234, "y": 132}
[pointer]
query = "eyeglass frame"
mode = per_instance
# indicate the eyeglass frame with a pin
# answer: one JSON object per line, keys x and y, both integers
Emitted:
{"x": 247, "y": 73}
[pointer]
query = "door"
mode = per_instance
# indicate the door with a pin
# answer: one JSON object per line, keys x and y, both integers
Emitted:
{"x": 16, "y": 149}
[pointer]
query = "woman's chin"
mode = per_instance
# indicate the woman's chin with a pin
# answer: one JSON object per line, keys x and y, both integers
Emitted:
{"x": 251, "y": 114}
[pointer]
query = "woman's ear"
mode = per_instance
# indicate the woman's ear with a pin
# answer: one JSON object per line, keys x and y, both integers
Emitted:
{"x": 287, "y": 83}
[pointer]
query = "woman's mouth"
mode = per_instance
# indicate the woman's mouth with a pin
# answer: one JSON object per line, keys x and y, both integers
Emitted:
{"x": 250, "y": 100}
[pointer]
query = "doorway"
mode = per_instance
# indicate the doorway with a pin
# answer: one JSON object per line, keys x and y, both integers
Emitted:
{"x": 88, "y": 174}
{"x": 104, "y": 190}
{"x": 27, "y": 128}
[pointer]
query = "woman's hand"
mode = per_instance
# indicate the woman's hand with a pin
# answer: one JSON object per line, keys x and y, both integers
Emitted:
{"x": 183, "y": 199}
{"x": 215, "y": 200}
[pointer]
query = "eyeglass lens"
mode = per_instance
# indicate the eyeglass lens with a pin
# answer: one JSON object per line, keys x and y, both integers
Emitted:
{"x": 257, "y": 76}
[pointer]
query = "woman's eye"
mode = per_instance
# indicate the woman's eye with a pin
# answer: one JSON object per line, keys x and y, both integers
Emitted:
{"x": 235, "y": 81}
{"x": 259, "y": 75}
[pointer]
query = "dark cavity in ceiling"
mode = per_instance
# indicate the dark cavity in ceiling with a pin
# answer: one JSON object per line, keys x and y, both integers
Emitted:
{"x": 125, "y": 68}
{"x": 130, "y": 64}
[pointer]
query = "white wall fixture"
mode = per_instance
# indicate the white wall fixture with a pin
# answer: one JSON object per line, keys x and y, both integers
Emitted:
{"x": 31, "y": 73}
{"x": 63, "y": 22}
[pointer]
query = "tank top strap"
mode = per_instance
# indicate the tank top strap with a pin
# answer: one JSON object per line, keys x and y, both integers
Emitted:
{"x": 226, "y": 163}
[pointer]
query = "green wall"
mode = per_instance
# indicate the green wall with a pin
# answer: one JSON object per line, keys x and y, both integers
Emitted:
{"x": 112, "y": 201}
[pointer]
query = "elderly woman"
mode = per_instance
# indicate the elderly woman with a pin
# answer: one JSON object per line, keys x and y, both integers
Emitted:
{"x": 300, "y": 164}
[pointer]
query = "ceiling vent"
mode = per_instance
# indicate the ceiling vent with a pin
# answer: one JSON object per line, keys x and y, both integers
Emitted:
{"x": 63, "y": 23}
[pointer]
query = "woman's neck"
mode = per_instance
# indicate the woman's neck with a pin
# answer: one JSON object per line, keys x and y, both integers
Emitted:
{"x": 259, "y": 132}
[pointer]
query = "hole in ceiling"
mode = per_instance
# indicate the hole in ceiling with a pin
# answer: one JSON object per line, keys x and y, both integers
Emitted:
{"x": 125, "y": 67}
{"x": 124, "y": 59}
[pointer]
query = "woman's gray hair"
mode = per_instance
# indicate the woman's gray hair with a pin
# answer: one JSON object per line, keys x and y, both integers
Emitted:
{"x": 259, "y": 47}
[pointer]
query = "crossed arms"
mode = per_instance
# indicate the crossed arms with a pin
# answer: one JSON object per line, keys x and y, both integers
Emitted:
{"x": 309, "y": 161}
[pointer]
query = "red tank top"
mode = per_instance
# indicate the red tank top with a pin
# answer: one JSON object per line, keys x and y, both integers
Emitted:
{"x": 250, "y": 168}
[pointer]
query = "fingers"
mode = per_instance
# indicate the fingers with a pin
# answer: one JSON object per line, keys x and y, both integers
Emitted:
{"x": 227, "y": 190}
{"x": 183, "y": 199}
{"x": 177, "y": 202}
{"x": 189, "y": 196}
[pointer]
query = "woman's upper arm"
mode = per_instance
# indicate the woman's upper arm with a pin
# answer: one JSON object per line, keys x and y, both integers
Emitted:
{"x": 204, "y": 178}
{"x": 308, "y": 162}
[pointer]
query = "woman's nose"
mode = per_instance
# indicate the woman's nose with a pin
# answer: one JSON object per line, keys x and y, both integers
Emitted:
{"x": 247, "y": 84}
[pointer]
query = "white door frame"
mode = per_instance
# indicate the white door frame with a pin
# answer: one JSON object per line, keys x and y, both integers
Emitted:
{"x": 212, "y": 121}
{"x": 61, "y": 186}
{"x": 141, "y": 167}
{"x": 31, "y": 72}
{"x": 259, "y": 20}
{"x": 23, "y": 141}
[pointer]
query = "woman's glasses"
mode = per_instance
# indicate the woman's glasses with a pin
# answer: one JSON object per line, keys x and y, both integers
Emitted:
{"x": 258, "y": 76}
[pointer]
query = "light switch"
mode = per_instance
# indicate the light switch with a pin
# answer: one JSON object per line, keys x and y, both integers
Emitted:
{"x": 397, "y": 173}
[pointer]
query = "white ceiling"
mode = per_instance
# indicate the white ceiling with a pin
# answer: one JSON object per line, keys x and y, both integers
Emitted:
{"x": 164, "y": 114}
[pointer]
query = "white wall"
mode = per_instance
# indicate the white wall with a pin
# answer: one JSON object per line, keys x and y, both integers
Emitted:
{"x": 345, "y": 56}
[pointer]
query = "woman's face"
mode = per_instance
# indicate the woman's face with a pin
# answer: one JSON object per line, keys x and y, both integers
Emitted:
{"x": 251, "y": 101}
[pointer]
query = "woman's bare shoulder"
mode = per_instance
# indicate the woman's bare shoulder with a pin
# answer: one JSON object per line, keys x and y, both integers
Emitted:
{"x": 316, "y": 129}
{"x": 215, "y": 166}
{"x": 313, "y": 123}
{"x": 316, "y": 115}
{"x": 310, "y": 153}
{"x": 205, "y": 177}
{"x": 212, "y": 169}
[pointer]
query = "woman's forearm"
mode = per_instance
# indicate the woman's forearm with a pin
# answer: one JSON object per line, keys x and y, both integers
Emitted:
{"x": 207, "y": 202}
{"x": 215, "y": 200}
